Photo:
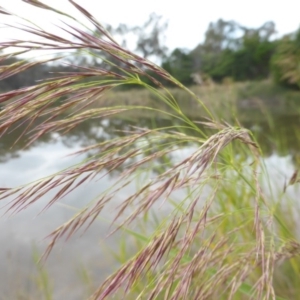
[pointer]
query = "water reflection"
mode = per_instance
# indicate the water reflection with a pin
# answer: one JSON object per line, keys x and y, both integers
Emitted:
{"x": 277, "y": 138}
{"x": 277, "y": 133}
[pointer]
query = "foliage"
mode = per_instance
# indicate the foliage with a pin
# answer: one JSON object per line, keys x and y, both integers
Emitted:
{"x": 222, "y": 237}
{"x": 241, "y": 58}
{"x": 180, "y": 65}
{"x": 286, "y": 61}
{"x": 251, "y": 62}
{"x": 229, "y": 50}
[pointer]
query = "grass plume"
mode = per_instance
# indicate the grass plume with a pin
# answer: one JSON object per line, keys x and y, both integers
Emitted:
{"x": 222, "y": 240}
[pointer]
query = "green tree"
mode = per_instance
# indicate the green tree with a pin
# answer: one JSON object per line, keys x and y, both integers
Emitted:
{"x": 252, "y": 61}
{"x": 286, "y": 61}
{"x": 218, "y": 37}
{"x": 180, "y": 65}
{"x": 247, "y": 57}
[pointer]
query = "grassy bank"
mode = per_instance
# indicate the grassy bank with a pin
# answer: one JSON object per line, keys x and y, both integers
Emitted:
{"x": 224, "y": 101}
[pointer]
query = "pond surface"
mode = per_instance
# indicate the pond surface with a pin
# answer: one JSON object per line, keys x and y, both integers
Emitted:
{"x": 71, "y": 264}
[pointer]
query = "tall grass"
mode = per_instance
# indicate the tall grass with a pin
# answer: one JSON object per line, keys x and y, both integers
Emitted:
{"x": 225, "y": 234}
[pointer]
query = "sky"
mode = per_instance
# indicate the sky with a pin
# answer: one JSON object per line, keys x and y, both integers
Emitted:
{"x": 188, "y": 20}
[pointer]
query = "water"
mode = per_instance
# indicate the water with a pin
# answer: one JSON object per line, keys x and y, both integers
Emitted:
{"x": 24, "y": 233}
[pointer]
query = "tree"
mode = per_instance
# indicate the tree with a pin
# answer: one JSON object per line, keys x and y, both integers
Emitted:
{"x": 180, "y": 65}
{"x": 149, "y": 44}
{"x": 150, "y": 41}
{"x": 218, "y": 37}
{"x": 286, "y": 61}
{"x": 232, "y": 50}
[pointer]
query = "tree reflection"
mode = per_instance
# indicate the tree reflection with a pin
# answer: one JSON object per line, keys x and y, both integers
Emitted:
{"x": 279, "y": 135}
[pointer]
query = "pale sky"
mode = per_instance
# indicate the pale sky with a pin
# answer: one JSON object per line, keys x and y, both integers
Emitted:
{"x": 188, "y": 20}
